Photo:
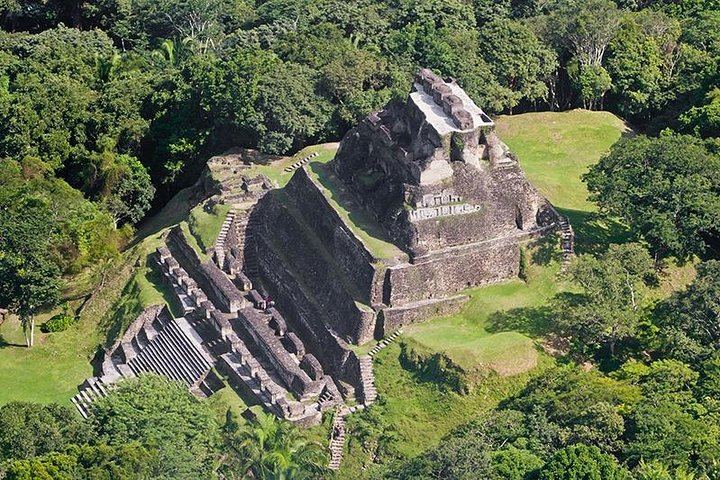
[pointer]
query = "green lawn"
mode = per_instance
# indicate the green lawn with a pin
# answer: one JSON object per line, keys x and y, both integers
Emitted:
{"x": 205, "y": 223}
{"x": 52, "y": 369}
{"x": 556, "y": 148}
{"x": 491, "y": 330}
{"x": 359, "y": 221}
{"x": 275, "y": 171}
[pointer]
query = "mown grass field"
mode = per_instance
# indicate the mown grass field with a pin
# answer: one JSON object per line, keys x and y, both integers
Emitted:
{"x": 556, "y": 148}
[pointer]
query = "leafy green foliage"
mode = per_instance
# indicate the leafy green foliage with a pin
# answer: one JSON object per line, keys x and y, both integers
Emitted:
{"x": 610, "y": 308}
{"x": 580, "y": 462}
{"x": 58, "y": 323}
{"x": 688, "y": 320}
{"x": 125, "y": 462}
{"x": 28, "y": 430}
{"x": 667, "y": 189}
{"x": 269, "y": 448}
{"x": 161, "y": 415}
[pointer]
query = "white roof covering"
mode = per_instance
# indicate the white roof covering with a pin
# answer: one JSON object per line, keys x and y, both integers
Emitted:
{"x": 436, "y": 117}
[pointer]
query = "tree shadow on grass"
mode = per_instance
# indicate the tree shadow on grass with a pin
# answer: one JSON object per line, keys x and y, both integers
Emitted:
{"x": 531, "y": 321}
{"x": 546, "y": 250}
{"x": 594, "y": 232}
{"x": 4, "y": 343}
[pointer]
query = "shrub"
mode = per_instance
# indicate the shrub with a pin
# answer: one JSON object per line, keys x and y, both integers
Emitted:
{"x": 58, "y": 323}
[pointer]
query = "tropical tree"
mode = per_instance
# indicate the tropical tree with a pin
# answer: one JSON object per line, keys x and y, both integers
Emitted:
{"x": 29, "y": 276}
{"x": 272, "y": 449}
{"x": 580, "y": 462}
{"x": 609, "y": 309}
{"x": 666, "y": 189}
{"x": 165, "y": 417}
{"x": 689, "y": 321}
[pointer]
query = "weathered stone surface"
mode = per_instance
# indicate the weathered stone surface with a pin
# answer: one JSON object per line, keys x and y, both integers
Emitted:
{"x": 352, "y": 257}
{"x": 306, "y": 317}
{"x": 293, "y": 344}
{"x": 435, "y": 149}
{"x": 279, "y": 231}
{"x": 223, "y": 293}
{"x": 310, "y": 365}
{"x": 390, "y": 319}
{"x": 452, "y": 271}
{"x": 253, "y": 324}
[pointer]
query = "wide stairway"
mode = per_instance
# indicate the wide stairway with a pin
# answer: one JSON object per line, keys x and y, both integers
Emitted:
{"x": 174, "y": 351}
{"x": 93, "y": 389}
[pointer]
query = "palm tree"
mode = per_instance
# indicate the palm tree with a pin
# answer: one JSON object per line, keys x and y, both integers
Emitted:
{"x": 271, "y": 449}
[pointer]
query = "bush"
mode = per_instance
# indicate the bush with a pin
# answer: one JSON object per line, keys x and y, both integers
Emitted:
{"x": 434, "y": 367}
{"x": 58, "y": 323}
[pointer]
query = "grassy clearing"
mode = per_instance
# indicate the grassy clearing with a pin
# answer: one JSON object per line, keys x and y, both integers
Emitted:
{"x": 359, "y": 221}
{"x": 52, "y": 369}
{"x": 491, "y": 330}
{"x": 556, "y": 148}
{"x": 275, "y": 171}
{"x": 205, "y": 222}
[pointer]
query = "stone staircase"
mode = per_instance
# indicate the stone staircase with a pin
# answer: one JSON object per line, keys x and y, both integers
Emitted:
{"x": 220, "y": 242}
{"x": 172, "y": 352}
{"x": 567, "y": 240}
{"x": 302, "y": 162}
{"x": 337, "y": 438}
{"x": 367, "y": 377}
{"x": 91, "y": 390}
{"x": 384, "y": 343}
{"x": 250, "y": 265}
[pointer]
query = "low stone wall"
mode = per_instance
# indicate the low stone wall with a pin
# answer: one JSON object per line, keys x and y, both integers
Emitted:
{"x": 279, "y": 230}
{"x": 255, "y": 325}
{"x": 117, "y": 353}
{"x": 452, "y": 271}
{"x": 353, "y": 258}
{"x": 391, "y": 319}
{"x": 223, "y": 293}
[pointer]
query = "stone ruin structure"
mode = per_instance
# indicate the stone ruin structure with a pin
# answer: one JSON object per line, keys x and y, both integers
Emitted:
{"x": 289, "y": 284}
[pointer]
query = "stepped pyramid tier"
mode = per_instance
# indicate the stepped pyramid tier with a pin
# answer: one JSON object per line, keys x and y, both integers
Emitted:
{"x": 421, "y": 201}
{"x": 435, "y": 174}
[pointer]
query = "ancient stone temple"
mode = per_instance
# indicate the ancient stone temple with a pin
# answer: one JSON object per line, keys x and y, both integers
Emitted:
{"x": 437, "y": 177}
{"x": 421, "y": 201}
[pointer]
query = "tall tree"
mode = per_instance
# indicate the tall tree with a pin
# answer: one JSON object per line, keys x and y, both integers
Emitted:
{"x": 689, "y": 320}
{"x": 666, "y": 189}
{"x": 580, "y": 462}
{"x": 29, "y": 276}
{"x": 609, "y": 308}
{"x": 270, "y": 448}
{"x": 163, "y": 416}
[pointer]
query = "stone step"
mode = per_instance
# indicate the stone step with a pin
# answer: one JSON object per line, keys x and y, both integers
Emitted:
{"x": 185, "y": 369}
{"x": 197, "y": 357}
{"x": 194, "y": 365}
{"x": 155, "y": 363}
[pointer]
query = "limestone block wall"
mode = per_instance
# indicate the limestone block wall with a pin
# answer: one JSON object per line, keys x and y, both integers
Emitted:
{"x": 274, "y": 352}
{"x": 390, "y": 319}
{"x": 279, "y": 231}
{"x": 452, "y": 271}
{"x": 224, "y": 294}
{"x": 353, "y": 258}
{"x": 307, "y": 319}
